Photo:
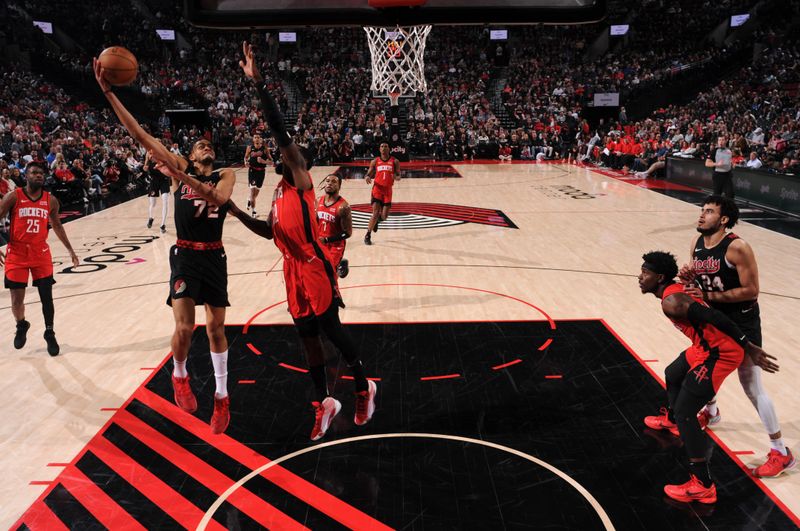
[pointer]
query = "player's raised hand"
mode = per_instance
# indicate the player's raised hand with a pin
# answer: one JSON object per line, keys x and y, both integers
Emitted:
{"x": 761, "y": 358}
{"x": 169, "y": 170}
{"x": 249, "y": 64}
{"x": 98, "y": 75}
{"x": 687, "y": 274}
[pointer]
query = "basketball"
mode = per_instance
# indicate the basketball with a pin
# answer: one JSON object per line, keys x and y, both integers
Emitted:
{"x": 120, "y": 65}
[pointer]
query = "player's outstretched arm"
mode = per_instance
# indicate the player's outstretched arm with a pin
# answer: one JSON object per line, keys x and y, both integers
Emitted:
{"x": 216, "y": 195}
{"x": 130, "y": 123}
{"x": 290, "y": 152}
{"x": 58, "y": 228}
{"x": 681, "y": 306}
{"x": 258, "y": 226}
{"x": 396, "y": 170}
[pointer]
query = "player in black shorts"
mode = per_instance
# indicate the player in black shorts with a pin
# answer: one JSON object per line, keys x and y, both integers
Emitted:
{"x": 197, "y": 261}
{"x": 256, "y": 158}
{"x": 158, "y": 186}
{"x": 723, "y": 271}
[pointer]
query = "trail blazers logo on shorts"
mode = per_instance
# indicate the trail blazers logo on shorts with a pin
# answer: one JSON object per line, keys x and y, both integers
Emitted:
{"x": 431, "y": 215}
{"x": 179, "y": 287}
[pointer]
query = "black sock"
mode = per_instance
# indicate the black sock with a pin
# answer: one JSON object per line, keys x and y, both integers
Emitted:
{"x": 357, "y": 369}
{"x": 702, "y": 471}
{"x": 320, "y": 382}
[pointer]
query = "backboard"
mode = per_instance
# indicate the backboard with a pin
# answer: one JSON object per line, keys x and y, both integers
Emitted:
{"x": 300, "y": 13}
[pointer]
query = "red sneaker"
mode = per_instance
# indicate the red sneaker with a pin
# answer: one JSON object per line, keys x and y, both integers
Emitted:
{"x": 707, "y": 420}
{"x": 365, "y": 404}
{"x": 184, "y": 396}
{"x": 662, "y": 422}
{"x": 324, "y": 414}
{"x": 692, "y": 490}
{"x": 222, "y": 414}
{"x": 776, "y": 464}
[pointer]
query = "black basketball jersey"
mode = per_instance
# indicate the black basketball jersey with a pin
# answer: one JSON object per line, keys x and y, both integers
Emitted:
{"x": 196, "y": 219}
{"x": 157, "y": 179}
{"x": 715, "y": 273}
{"x": 255, "y": 154}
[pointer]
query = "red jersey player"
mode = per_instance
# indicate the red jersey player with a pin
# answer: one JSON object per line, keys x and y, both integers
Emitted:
{"x": 718, "y": 348}
{"x": 28, "y": 253}
{"x": 335, "y": 223}
{"x": 311, "y": 289}
{"x": 386, "y": 170}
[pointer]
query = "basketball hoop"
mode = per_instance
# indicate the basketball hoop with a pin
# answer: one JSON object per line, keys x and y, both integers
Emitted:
{"x": 398, "y": 65}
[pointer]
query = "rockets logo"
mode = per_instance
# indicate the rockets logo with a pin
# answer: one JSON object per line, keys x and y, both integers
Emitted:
{"x": 708, "y": 266}
{"x": 431, "y": 215}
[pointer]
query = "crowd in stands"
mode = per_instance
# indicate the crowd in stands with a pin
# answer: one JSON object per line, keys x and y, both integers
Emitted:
{"x": 323, "y": 84}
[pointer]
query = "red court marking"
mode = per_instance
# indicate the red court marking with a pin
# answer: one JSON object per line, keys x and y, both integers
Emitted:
{"x": 40, "y": 482}
{"x": 294, "y": 485}
{"x": 442, "y": 377}
{"x": 292, "y": 367}
{"x": 39, "y": 516}
{"x": 650, "y": 361}
{"x": 247, "y": 502}
{"x": 148, "y": 368}
{"x": 713, "y": 435}
{"x": 247, "y": 381}
{"x": 33, "y": 512}
{"x": 553, "y": 377}
{"x": 254, "y": 349}
{"x": 348, "y": 377}
{"x": 744, "y": 452}
{"x": 546, "y": 344}
{"x": 153, "y": 488}
{"x": 109, "y": 409}
{"x": 97, "y": 502}
{"x": 57, "y": 464}
{"x": 509, "y": 364}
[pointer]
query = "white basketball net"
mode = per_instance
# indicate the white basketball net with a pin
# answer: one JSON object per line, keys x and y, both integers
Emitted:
{"x": 398, "y": 65}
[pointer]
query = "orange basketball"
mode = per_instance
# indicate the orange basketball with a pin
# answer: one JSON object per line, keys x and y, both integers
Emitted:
{"x": 120, "y": 65}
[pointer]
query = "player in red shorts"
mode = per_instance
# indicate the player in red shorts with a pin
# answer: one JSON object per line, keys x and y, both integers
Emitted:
{"x": 718, "y": 348}
{"x": 335, "y": 223}
{"x": 311, "y": 289}
{"x": 386, "y": 170}
{"x": 31, "y": 208}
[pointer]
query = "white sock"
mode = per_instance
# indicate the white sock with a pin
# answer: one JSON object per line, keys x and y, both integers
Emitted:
{"x": 777, "y": 444}
{"x": 712, "y": 408}
{"x": 180, "y": 369}
{"x": 151, "y": 205}
{"x": 164, "y": 208}
{"x": 220, "y": 362}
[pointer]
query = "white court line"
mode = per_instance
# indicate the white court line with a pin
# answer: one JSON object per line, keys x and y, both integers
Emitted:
{"x": 577, "y": 486}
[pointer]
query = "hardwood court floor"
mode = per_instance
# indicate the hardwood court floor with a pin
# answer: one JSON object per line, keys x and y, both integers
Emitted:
{"x": 541, "y": 238}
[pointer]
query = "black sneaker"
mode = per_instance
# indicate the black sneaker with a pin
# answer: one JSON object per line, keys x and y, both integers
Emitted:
{"x": 52, "y": 345}
{"x": 343, "y": 268}
{"x": 368, "y": 239}
{"x": 163, "y": 229}
{"x": 22, "y": 334}
{"x": 150, "y": 223}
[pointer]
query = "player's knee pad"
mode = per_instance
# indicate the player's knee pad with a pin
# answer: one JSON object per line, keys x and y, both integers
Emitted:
{"x": 307, "y": 326}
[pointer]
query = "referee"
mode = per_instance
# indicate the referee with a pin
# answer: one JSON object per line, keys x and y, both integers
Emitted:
{"x": 720, "y": 160}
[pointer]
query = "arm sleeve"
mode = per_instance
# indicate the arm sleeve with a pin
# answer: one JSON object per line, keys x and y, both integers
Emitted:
{"x": 337, "y": 238}
{"x": 274, "y": 117}
{"x": 698, "y": 314}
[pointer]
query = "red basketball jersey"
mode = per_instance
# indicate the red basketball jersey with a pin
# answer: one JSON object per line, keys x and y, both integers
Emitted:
{"x": 384, "y": 171}
{"x": 328, "y": 218}
{"x": 293, "y": 225}
{"x": 707, "y": 340}
{"x": 29, "y": 218}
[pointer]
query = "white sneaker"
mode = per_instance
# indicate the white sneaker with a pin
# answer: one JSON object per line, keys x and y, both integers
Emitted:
{"x": 324, "y": 413}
